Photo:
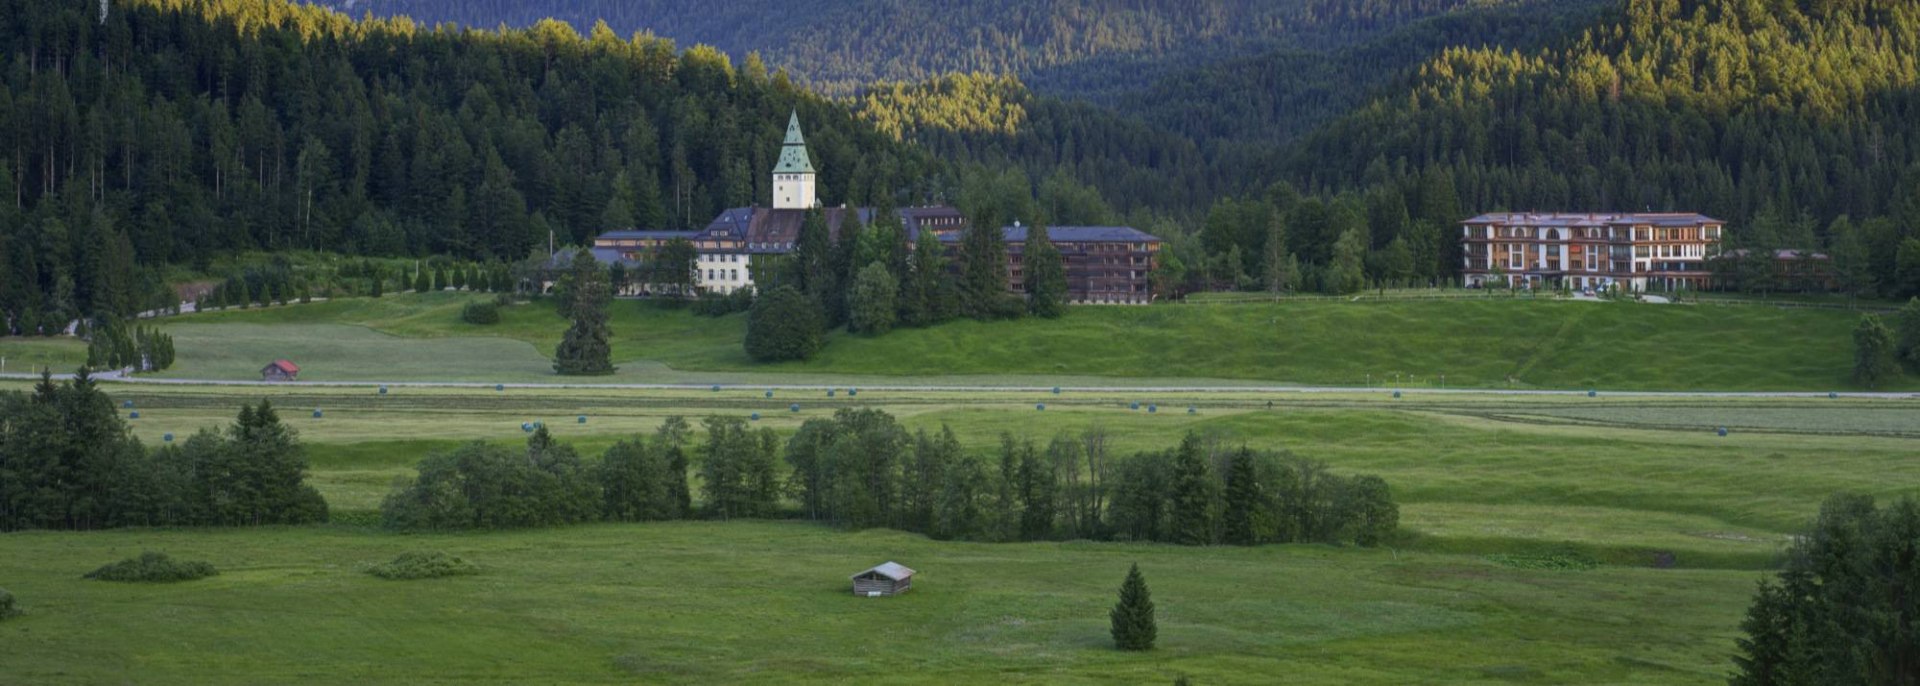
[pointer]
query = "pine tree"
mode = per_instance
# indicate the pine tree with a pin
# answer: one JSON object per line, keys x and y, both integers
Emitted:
{"x": 983, "y": 277}
{"x": 1873, "y": 360}
{"x": 1046, "y": 275}
{"x": 813, "y": 258}
{"x": 586, "y": 349}
{"x": 1907, "y": 335}
{"x": 379, "y": 286}
{"x": 846, "y": 251}
{"x": 921, "y": 286}
{"x": 1243, "y": 501}
{"x": 421, "y": 282}
{"x": 1191, "y": 496}
{"x": 1133, "y": 623}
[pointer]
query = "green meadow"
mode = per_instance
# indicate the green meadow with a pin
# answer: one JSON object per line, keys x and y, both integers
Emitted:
{"x": 1481, "y": 479}
{"x": 1460, "y": 343}
{"x": 1494, "y": 490}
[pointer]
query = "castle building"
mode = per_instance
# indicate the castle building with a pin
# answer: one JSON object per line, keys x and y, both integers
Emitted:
{"x": 1639, "y": 251}
{"x": 1104, "y": 264}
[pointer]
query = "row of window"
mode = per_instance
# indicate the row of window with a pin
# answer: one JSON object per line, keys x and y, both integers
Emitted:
{"x": 719, "y": 274}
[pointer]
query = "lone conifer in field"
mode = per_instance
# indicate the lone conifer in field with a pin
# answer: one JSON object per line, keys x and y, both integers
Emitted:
{"x": 586, "y": 349}
{"x": 1133, "y": 625}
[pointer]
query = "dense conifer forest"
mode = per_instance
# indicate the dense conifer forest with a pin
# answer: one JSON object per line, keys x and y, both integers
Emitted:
{"x": 1077, "y": 47}
{"x": 172, "y": 130}
{"x": 166, "y": 132}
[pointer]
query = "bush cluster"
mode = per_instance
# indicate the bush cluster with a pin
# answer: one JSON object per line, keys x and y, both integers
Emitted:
{"x": 152, "y": 567}
{"x": 68, "y": 461}
{"x": 7, "y": 608}
{"x": 423, "y": 565}
{"x": 481, "y": 313}
{"x": 711, "y": 304}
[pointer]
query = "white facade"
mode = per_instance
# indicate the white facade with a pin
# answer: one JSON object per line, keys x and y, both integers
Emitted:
{"x": 793, "y": 191}
{"x": 722, "y": 272}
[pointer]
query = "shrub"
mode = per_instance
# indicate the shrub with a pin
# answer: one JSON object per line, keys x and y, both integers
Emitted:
{"x": 784, "y": 325}
{"x": 428, "y": 565}
{"x": 6, "y": 605}
{"x": 151, "y": 567}
{"x": 481, "y": 313}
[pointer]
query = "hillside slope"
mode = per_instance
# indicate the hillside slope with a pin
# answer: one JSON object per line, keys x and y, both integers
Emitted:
{"x": 1076, "y": 47}
{"x": 1474, "y": 343}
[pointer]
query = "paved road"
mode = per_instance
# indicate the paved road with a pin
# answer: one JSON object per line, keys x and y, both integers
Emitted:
{"x": 983, "y": 388}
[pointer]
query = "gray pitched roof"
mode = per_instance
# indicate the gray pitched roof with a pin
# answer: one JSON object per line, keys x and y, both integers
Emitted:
{"x": 891, "y": 570}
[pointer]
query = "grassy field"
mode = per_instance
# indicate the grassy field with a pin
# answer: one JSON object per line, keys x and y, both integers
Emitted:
{"x": 741, "y": 602}
{"x": 1498, "y": 343}
{"x": 1478, "y": 476}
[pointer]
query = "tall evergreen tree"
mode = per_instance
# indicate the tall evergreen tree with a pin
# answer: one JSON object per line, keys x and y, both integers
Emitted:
{"x": 1191, "y": 495}
{"x": 1046, "y": 275}
{"x": 1873, "y": 358}
{"x": 847, "y": 245}
{"x": 587, "y": 347}
{"x": 983, "y": 277}
{"x": 1244, "y": 501}
{"x": 1132, "y": 619}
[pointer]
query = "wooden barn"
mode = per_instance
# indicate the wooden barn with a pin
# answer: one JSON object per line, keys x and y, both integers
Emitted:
{"x": 280, "y": 370}
{"x": 891, "y": 578}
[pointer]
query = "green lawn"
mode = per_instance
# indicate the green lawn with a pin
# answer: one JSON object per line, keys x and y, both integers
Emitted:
{"x": 745, "y": 602}
{"x": 1495, "y": 343}
{"x": 765, "y": 602}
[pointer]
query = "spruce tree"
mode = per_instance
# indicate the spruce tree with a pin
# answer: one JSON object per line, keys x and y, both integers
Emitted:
{"x": 379, "y": 285}
{"x": 1046, "y": 275}
{"x": 587, "y": 349}
{"x": 1191, "y": 497}
{"x": 846, "y": 251}
{"x": 421, "y": 283}
{"x": 1243, "y": 501}
{"x": 920, "y": 288}
{"x": 813, "y": 257}
{"x": 1873, "y": 361}
{"x": 1133, "y": 623}
{"x": 1907, "y": 336}
{"x": 983, "y": 279}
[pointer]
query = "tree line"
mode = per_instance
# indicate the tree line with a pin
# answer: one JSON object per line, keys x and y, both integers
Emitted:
{"x": 862, "y": 469}
{"x": 69, "y": 461}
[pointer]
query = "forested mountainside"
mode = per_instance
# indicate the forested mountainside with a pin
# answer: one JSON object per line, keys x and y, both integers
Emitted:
{"x": 1067, "y": 47}
{"x": 1798, "y": 121}
{"x": 1782, "y": 116}
{"x": 176, "y": 128}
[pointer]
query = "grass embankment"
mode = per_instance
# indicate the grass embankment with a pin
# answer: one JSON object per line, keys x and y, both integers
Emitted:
{"x": 1497, "y": 343}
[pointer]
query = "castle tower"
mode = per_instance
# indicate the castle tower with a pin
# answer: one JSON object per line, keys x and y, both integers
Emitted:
{"x": 793, "y": 185}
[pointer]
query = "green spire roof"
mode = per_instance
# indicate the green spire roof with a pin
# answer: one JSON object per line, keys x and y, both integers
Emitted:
{"x": 793, "y": 155}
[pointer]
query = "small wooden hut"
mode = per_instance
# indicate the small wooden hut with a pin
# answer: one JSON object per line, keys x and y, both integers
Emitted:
{"x": 280, "y": 370}
{"x": 891, "y": 578}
